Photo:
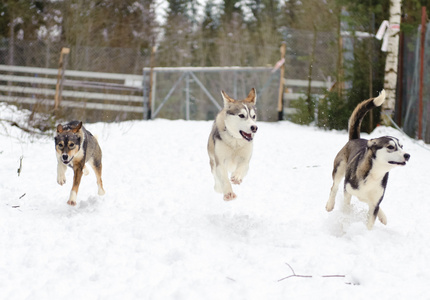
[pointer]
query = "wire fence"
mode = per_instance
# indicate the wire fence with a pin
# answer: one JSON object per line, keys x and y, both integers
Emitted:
{"x": 194, "y": 93}
{"x": 309, "y": 54}
{"x": 188, "y": 100}
{"x": 408, "y": 108}
{"x": 44, "y": 54}
{"x": 300, "y": 46}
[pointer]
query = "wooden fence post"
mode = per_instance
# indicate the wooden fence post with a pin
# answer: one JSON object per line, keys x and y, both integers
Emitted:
{"x": 60, "y": 77}
{"x": 151, "y": 82}
{"x": 281, "y": 84}
{"x": 422, "y": 49}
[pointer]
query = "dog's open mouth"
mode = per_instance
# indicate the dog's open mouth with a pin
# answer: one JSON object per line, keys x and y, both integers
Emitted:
{"x": 246, "y": 136}
{"x": 397, "y": 163}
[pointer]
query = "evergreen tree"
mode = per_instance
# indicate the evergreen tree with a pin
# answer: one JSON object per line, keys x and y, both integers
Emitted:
{"x": 233, "y": 35}
{"x": 264, "y": 33}
{"x": 209, "y": 32}
{"x": 175, "y": 47}
{"x": 230, "y": 9}
{"x": 21, "y": 18}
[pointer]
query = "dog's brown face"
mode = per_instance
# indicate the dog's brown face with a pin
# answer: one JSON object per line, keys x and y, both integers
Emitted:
{"x": 67, "y": 142}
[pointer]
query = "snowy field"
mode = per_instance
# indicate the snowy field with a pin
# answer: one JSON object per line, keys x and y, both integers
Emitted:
{"x": 161, "y": 232}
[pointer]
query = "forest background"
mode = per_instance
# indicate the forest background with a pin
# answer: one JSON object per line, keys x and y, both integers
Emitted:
{"x": 123, "y": 36}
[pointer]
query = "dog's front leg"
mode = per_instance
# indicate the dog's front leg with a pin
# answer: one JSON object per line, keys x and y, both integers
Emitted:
{"x": 382, "y": 217}
{"x": 78, "y": 171}
{"x": 61, "y": 173}
{"x": 346, "y": 197}
{"x": 332, "y": 198}
{"x": 239, "y": 173}
{"x": 373, "y": 212}
{"x": 222, "y": 176}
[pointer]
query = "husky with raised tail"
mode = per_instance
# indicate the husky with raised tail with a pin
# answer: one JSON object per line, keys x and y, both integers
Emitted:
{"x": 75, "y": 146}
{"x": 230, "y": 142}
{"x": 365, "y": 164}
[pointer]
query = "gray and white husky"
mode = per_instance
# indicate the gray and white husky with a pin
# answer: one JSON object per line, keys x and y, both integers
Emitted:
{"x": 230, "y": 142}
{"x": 365, "y": 164}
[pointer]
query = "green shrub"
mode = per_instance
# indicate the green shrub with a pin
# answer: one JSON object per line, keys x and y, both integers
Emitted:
{"x": 304, "y": 113}
{"x": 333, "y": 112}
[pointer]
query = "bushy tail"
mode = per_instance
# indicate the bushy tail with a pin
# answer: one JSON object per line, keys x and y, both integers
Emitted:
{"x": 359, "y": 113}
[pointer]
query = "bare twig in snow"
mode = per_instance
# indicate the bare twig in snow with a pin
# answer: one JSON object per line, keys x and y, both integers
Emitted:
{"x": 305, "y": 276}
{"x": 20, "y": 165}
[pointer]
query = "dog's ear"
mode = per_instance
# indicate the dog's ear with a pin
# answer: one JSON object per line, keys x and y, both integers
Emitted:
{"x": 60, "y": 128}
{"x": 371, "y": 143}
{"x": 252, "y": 97}
{"x": 227, "y": 99}
{"x": 77, "y": 128}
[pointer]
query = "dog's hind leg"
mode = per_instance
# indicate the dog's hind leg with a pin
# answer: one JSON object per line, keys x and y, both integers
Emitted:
{"x": 338, "y": 173}
{"x": 96, "y": 164}
{"x": 85, "y": 170}
{"x": 217, "y": 186}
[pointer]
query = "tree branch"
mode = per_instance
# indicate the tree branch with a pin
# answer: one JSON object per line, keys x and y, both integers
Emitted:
{"x": 28, "y": 130}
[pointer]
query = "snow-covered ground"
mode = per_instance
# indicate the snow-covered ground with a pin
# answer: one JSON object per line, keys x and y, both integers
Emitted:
{"x": 161, "y": 232}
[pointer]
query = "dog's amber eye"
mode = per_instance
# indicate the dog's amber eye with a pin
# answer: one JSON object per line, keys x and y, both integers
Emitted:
{"x": 241, "y": 116}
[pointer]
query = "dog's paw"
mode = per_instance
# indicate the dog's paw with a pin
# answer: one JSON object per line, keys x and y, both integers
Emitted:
{"x": 101, "y": 191}
{"x": 329, "y": 206}
{"x": 236, "y": 179}
{"x": 71, "y": 202}
{"x": 382, "y": 217}
{"x": 61, "y": 179}
{"x": 229, "y": 196}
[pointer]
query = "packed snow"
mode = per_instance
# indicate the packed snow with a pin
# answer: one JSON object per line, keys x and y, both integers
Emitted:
{"x": 161, "y": 232}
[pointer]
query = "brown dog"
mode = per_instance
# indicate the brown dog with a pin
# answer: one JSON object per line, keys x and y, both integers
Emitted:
{"x": 76, "y": 146}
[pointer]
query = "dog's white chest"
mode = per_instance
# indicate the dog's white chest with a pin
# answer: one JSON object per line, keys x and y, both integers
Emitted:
{"x": 232, "y": 156}
{"x": 368, "y": 190}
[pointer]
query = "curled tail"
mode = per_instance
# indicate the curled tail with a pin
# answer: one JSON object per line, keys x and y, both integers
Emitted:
{"x": 359, "y": 113}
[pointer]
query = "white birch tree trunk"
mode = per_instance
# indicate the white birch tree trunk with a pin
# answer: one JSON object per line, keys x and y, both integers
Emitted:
{"x": 391, "y": 63}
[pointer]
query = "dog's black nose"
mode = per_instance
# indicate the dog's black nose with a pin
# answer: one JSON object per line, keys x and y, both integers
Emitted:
{"x": 406, "y": 156}
{"x": 65, "y": 156}
{"x": 254, "y": 128}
